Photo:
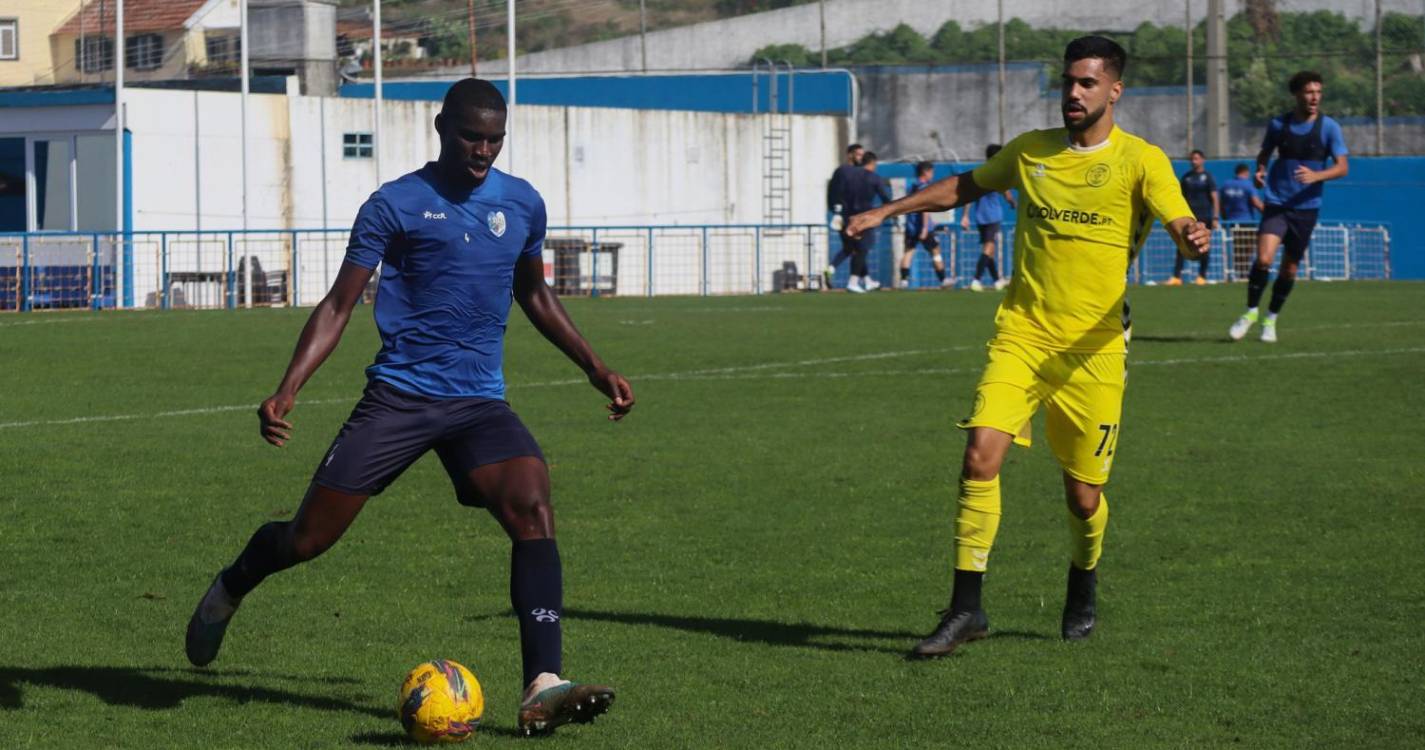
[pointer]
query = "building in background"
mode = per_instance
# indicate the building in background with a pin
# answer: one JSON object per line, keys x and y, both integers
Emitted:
{"x": 26, "y": 58}
{"x": 163, "y": 40}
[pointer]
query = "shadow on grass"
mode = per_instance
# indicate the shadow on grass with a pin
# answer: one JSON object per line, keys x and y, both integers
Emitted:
{"x": 160, "y": 688}
{"x": 1021, "y": 635}
{"x": 770, "y": 632}
{"x": 1195, "y": 338}
{"x": 399, "y": 739}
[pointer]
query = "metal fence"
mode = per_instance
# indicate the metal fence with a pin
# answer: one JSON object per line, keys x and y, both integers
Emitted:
{"x": 228, "y": 269}
{"x": 1338, "y": 251}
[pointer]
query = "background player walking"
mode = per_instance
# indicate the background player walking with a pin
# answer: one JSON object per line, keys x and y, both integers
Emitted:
{"x": 457, "y": 241}
{"x": 1088, "y": 195}
{"x": 1303, "y": 139}
{"x": 920, "y": 232}
{"x": 988, "y": 212}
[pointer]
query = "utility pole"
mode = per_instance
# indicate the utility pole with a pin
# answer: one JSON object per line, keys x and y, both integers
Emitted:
{"x": 511, "y": 131}
{"x": 376, "y": 141}
{"x": 1000, "y": 11}
{"x": 1187, "y": 26}
{"x": 643, "y": 33}
{"x": 469, "y": 14}
{"x": 1217, "y": 85}
{"x": 822, "y": 4}
{"x": 1380, "y": 95}
{"x": 120, "y": 223}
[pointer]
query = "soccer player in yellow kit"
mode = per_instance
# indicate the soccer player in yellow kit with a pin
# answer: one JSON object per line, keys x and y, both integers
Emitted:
{"x": 1088, "y": 196}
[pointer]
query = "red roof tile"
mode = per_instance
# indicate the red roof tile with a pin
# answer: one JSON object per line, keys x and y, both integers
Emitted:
{"x": 97, "y": 16}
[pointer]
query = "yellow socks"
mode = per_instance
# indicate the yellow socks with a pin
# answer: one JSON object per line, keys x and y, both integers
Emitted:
{"x": 976, "y": 521}
{"x": 1087, "y": 535}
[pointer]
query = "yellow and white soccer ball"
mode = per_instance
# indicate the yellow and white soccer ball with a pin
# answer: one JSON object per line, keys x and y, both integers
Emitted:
{"x": 440, "y": 701}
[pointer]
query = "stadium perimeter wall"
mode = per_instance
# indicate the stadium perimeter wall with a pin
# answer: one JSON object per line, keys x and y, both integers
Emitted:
{"x": 949, "y": 112}
{"x": 1389, "y": 190}
{"x": 730, "y": 42}
{"x": 594, "y": 166}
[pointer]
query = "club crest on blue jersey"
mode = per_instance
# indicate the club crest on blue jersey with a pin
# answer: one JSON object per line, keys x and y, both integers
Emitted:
{"x": 496, "y": 220}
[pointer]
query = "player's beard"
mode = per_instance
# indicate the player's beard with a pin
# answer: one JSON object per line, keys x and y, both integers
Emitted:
{"x": 1087, "y": 122}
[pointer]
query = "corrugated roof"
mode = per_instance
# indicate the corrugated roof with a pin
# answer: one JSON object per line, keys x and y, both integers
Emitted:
{"x": 97, "y": 16}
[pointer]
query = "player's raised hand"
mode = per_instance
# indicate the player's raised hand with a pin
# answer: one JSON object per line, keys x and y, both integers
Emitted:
{"x": 863, "y": 221}
{"x": 274, "y": 428}
{"x": 614, "y": 386}
{"x": 1198, "y": 240}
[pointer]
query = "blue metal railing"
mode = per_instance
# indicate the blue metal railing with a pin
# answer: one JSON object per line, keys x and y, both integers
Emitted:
{"x": 235, "y": 268}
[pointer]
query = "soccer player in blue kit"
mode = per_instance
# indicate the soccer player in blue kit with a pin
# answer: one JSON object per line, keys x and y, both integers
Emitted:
{"x": 1303, "y": 139}
{"x": 988, "y": 213}
{"x": 456, "y": 241}
{"x": 920, "y": 232}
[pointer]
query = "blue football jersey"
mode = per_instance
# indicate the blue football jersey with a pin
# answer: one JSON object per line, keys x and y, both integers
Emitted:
{"x": 447, "y": 262}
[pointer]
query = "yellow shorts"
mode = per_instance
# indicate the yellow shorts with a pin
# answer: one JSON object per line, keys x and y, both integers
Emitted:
{"x": 1082, "y": 396}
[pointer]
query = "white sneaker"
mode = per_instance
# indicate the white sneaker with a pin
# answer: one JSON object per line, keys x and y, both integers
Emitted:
{"x": 854, "y": 286}
{"x": 903, "y": 284}
{"x": 1244, "y": 324}
{"x": 976, "y": 286}
{"x": 947, "y": 283}
{"x": 870, "y": 284}
{"x": 1002, "y": 283}
{"x": 1269, "y": 331}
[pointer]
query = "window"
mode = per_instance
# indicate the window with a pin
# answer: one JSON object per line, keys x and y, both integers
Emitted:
{"x": 222, "y": 48}
{"x": 9, "y": 39}
{"x": 356, "y": 145}
{"x": 94, "y": 53}
{"x": 143, "y": 51}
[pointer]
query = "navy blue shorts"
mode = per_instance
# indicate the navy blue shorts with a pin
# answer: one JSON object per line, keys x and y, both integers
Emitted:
{"x": 913, "y": 240}
{"x": 989, "y": 233}
{"x": 390, "y": 428}
{"x": 1293, "y": 225}
{"x": 851, "y": 244}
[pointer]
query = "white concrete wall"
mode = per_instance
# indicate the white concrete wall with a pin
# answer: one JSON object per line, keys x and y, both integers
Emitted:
{"x": 730, "y": 42}
{"x": 187, "y": 157}
{"x": 594, "y": 166}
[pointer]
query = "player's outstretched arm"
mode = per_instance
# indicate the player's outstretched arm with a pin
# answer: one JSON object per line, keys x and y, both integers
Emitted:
{"x": 956, "y": 190}
{"x": 1193, "y": 237}
{"x": 319, "y": 338}
{"x": 544, "y": 310}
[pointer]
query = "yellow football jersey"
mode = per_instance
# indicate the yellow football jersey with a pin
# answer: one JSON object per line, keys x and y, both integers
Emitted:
{"x": 1083, "y": 214}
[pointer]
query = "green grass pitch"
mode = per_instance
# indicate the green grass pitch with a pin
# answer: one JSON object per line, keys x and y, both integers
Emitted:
{"x": 748, "y": 556}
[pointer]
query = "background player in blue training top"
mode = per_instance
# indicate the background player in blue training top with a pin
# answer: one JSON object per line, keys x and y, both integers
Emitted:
{"x": 456, "y": 241}
{"x": 1241, "y": 205}
{"x": 1200, "y": 192}
{"x": 1238, "y": 197}
{"x": 920, "y": 232}
{"x": 988, "y": 213}
{"x": 1303, "y": 139}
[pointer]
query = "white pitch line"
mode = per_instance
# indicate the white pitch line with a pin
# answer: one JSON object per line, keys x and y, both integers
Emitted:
{"x": 689, "y": 374}
{"x": 46, "y": 321}
{"x": 748, "y": 372}
{"x": 1230, "y": 359}
{"x": 158, "y": 415}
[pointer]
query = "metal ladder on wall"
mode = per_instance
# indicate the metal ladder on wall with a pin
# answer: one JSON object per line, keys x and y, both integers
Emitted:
{"x": 776, "y": 142}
